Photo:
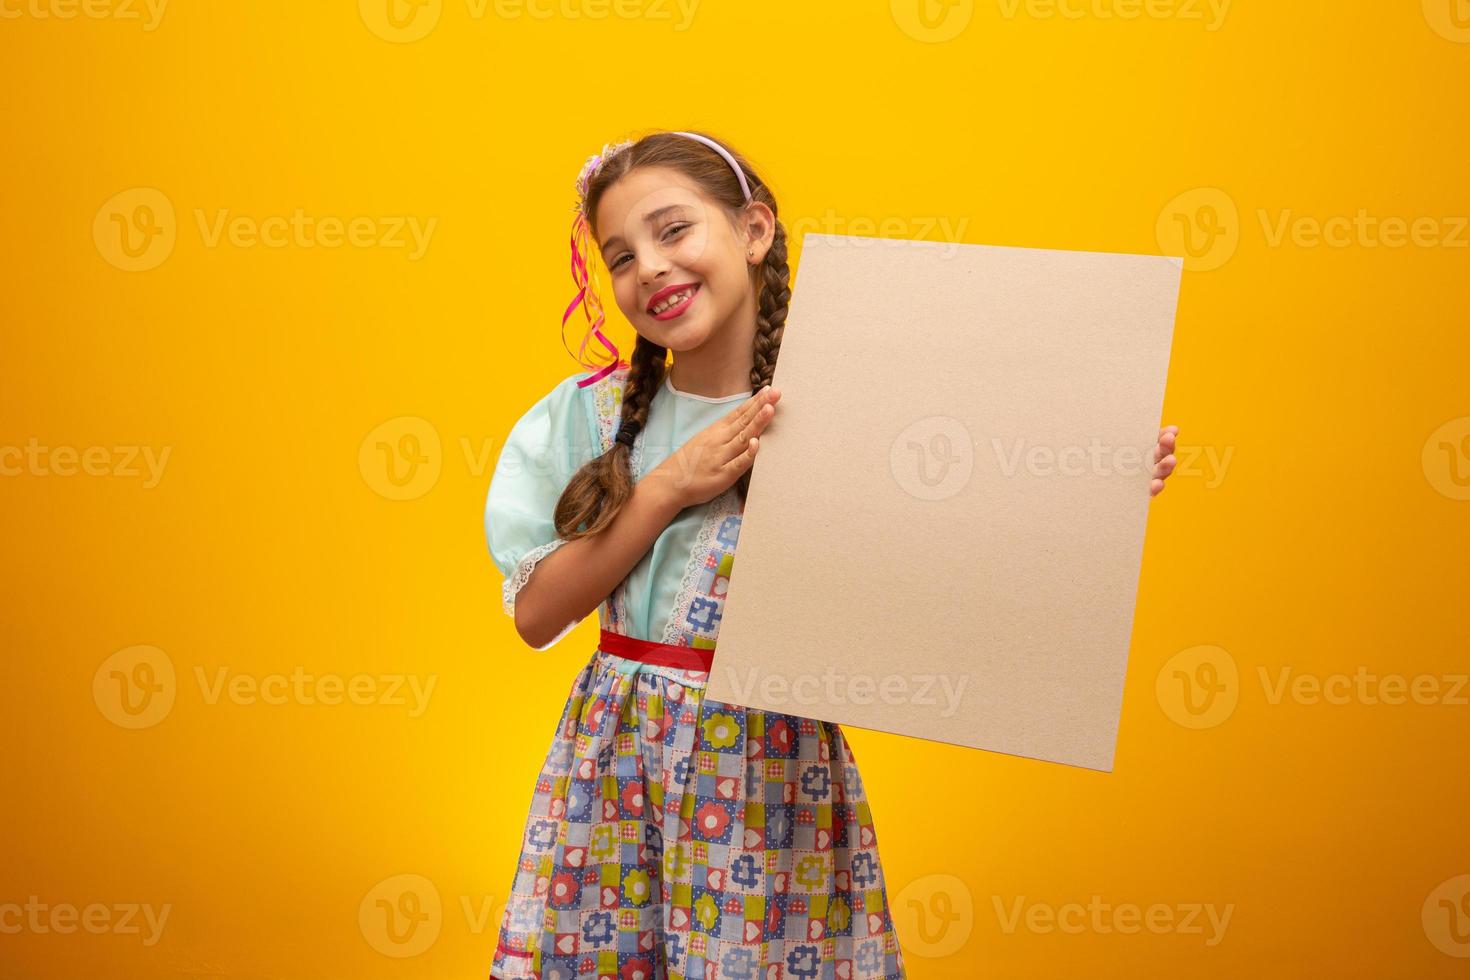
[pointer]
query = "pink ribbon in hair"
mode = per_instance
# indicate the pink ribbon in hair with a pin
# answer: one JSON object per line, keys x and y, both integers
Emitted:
{"x": 591, "y": 303}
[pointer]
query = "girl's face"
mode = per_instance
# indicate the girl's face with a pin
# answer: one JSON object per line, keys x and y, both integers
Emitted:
{"x": 662, "y": 238}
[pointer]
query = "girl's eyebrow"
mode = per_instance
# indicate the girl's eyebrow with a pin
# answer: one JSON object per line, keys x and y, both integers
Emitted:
{"x": 648, "y": 219}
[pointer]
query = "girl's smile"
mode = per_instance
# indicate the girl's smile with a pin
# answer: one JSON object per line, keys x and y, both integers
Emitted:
{"x": 672, "y": 301}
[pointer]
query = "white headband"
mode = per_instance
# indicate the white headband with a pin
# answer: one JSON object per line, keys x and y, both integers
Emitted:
{"x": 744, "y": 187}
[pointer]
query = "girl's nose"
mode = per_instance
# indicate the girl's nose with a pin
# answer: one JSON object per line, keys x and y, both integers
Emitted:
{"x": 651, "y": 269}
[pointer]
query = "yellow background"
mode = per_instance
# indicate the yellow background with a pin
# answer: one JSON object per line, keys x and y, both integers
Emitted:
{"x": 1333, "y": 541}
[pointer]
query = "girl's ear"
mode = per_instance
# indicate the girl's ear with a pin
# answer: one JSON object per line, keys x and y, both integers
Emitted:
{"x": 760, "y": 231}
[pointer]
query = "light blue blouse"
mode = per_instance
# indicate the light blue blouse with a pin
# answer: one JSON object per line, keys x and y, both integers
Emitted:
{"x": 675, "y": 593}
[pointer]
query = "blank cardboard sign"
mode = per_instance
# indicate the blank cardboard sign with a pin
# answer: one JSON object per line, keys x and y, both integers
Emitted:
{"x": 945, "y": 524}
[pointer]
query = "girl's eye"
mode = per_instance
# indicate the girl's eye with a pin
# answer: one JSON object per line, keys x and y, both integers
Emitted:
{"x": 669, "y": 233}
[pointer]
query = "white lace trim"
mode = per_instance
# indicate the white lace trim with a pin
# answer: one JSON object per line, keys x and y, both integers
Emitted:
{"x": 514, "y": 583}
{"x": 608, "y": 397}
{"x": 723, "y": 506}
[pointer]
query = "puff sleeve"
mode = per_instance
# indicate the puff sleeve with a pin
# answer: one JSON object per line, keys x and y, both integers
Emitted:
{"x": 549, "y": 443}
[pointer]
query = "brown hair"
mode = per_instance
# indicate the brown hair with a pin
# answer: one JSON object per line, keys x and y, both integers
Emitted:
{"x": 599, "y": 489}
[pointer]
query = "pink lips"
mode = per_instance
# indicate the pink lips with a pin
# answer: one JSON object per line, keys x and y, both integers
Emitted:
{"x": 678, "y": 309}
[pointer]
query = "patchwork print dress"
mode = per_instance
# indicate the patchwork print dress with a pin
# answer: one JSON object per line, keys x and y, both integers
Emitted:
{"x": 671, "y": 836}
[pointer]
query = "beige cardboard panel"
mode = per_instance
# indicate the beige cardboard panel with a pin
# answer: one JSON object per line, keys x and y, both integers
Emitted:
{"x": 945, "y": 525}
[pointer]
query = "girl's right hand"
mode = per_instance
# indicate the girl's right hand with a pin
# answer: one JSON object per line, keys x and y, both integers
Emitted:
{"x": 710, "y": 462}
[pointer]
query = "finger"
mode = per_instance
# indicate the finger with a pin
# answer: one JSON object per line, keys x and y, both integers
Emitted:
{"x": 735, "y": 418}
{"x": 742, "y": 461}
{"x": 1155, "y": 488}
{"x": 740, "y": 416}
{"x": 1165, "y": 467}
{"x": 1165, "y": 445}
{"x": 751, "y": 429}
{"x": 757, "y": 423}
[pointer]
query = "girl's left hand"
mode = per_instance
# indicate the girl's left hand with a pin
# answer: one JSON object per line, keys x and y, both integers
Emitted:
{"x": 1163, "y": 459}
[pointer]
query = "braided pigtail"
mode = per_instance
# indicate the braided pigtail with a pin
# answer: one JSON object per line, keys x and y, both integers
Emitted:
{"x": 599, "y": 489}
{"x": 774, "y": 283}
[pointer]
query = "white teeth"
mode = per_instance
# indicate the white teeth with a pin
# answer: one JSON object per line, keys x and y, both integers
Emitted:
{"x": 673, "y": 300}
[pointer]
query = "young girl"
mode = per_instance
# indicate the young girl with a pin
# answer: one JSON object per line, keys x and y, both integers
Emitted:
{"x": 671, "y": 836}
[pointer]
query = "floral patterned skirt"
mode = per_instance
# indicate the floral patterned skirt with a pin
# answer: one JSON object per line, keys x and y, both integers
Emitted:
{"x": 674, "y": 837}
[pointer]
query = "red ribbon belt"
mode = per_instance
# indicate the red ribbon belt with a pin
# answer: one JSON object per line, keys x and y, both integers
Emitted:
{"x": 660, "y": 654}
